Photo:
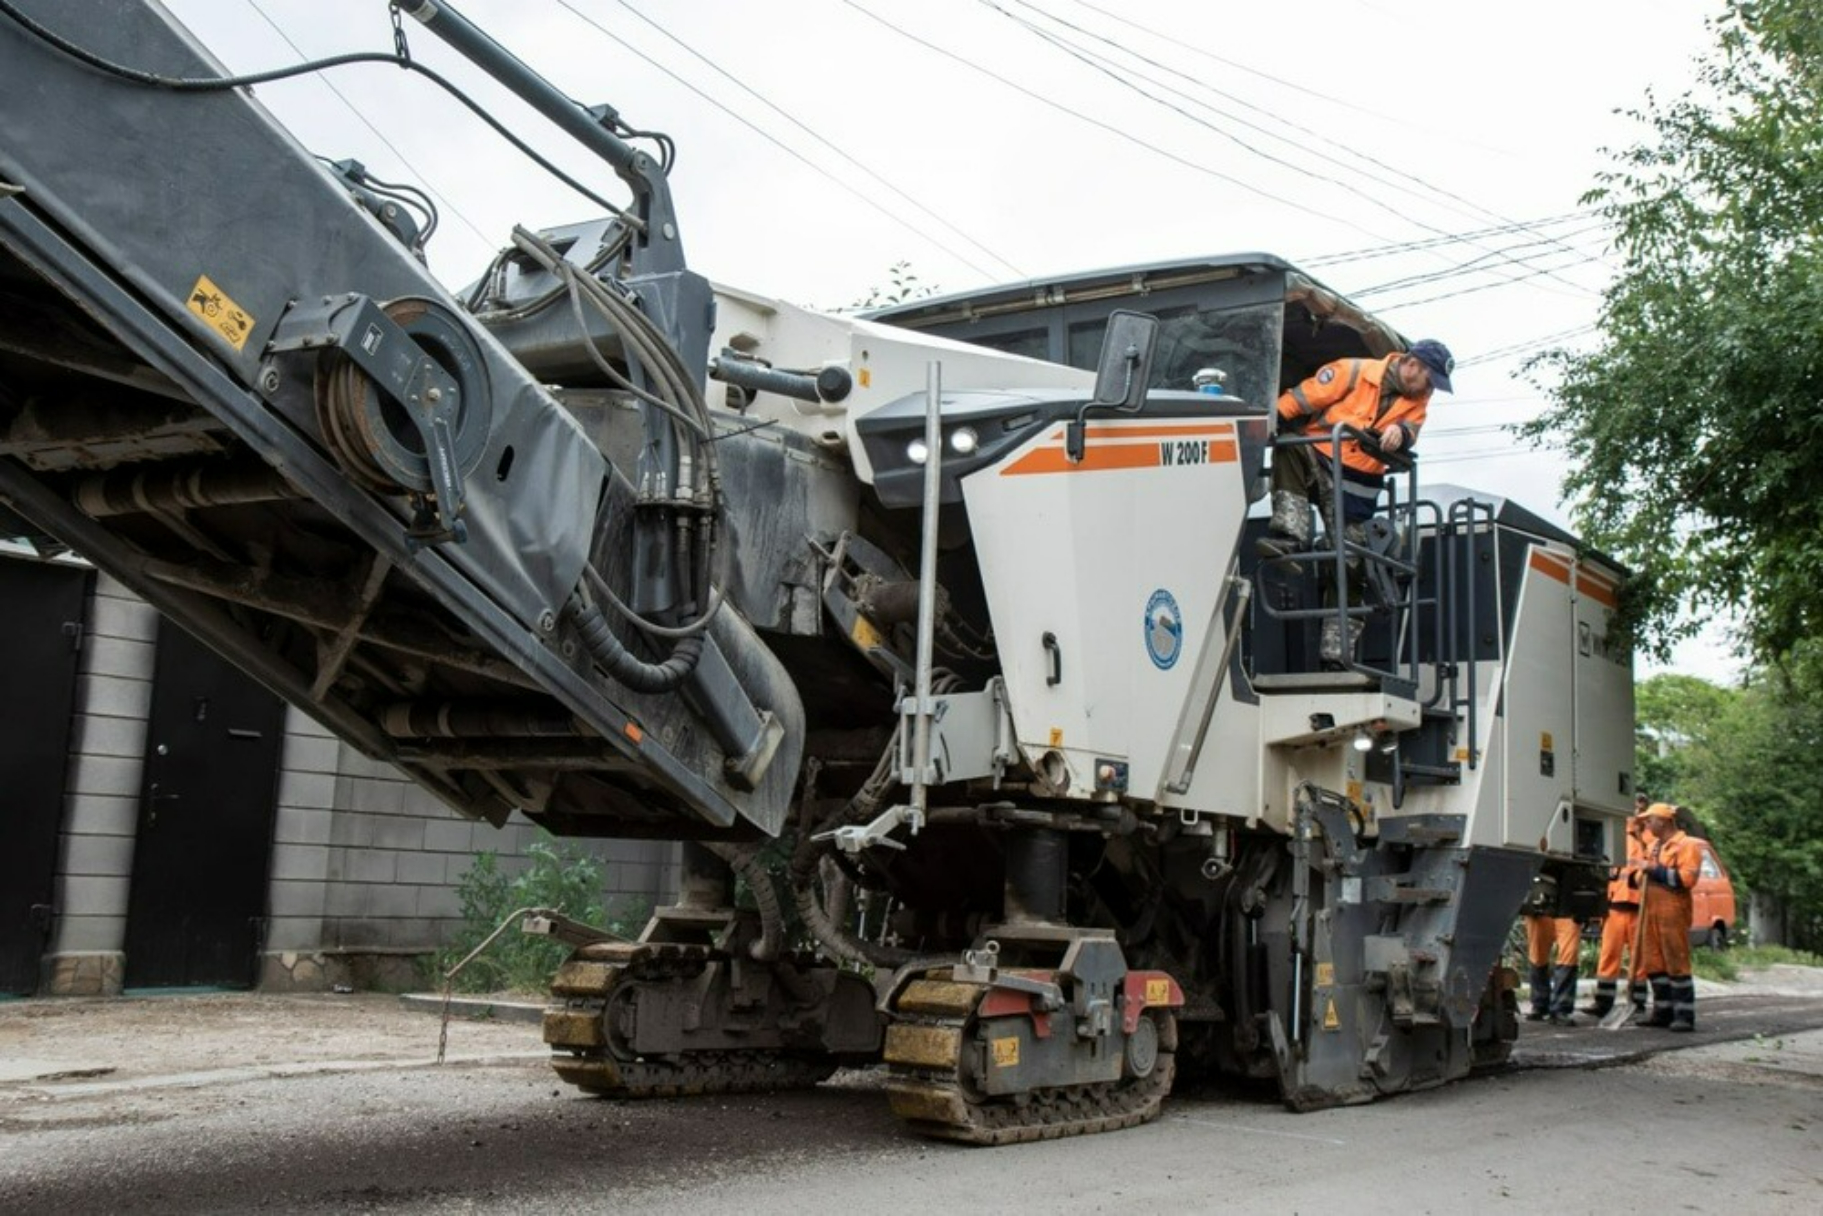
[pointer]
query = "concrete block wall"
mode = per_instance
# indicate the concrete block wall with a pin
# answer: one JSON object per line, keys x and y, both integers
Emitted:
{"x": 364, "y": 863}
{"x": 101, "y": 793}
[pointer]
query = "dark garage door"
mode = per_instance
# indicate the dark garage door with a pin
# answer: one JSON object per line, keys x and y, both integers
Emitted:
{"x": 205, "y": 821}
{"x": 41, "y": 612}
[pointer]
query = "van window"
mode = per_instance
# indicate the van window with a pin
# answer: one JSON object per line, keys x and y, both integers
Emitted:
{"x": 1709, "y": 868}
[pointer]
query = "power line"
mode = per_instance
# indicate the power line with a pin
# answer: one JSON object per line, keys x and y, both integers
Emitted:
{"x": 1450, "y": 295}
{"x": 1374, "y": 252}
{"x": 1530, "y": 344}
{"x": 378, "y": 134}
{"x": 1102, "y": 39}
{"x": 1249, "y": 69}
{"x": 1127, "y": 136}
{"x": 800, "y": 125}
{"x": 775, "y": 141}
{"x": 1478, "y": 264}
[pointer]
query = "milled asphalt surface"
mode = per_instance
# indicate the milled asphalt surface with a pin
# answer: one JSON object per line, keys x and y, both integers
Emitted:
{"x": 248, "y": 1103}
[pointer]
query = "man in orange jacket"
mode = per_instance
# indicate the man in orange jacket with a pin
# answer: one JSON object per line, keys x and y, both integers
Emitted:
{"x": 1386, "y": 398}
{"x": 1617, "y": 928}
{"x": 1668, "y": 868}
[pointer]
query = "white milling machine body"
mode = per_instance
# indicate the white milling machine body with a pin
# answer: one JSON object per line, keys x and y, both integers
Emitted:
{"x": 1150, "y": 834}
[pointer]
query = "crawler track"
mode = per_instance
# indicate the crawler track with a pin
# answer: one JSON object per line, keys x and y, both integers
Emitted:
{"x": 588, "y": 1050}
{"x": 933, "y": 1083}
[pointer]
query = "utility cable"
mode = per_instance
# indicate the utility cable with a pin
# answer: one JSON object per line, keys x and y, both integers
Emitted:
{"x": 1181, "y": 44}
{"x": 1373, "y": 252}
{"x": 776, "y": 142}
{"x": 220, "y": 84}
{"x": 1113, "y": 71}
{"x": 1126, "y": 136}
{"x": 377, "y": 133}
{"x": 742, "y": 85}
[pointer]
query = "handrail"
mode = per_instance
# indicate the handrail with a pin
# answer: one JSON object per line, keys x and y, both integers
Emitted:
{"x": 1342, "y": 548}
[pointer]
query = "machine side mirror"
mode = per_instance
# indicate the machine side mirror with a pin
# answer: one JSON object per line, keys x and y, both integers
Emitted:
{"x": 1122, "y": 375}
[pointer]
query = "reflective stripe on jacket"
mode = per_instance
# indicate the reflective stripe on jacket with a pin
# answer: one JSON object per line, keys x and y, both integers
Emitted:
{"x": 1349, "y": 391}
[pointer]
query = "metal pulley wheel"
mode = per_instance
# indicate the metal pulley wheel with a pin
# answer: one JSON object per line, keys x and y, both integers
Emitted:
{"x": 373, "y": 436}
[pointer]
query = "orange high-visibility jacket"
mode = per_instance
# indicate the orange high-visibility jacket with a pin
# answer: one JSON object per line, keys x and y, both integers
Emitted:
{"x": 1623, "y": 884}
{"x": 1348, "y": 390}
{"x": 1666, "y": 949}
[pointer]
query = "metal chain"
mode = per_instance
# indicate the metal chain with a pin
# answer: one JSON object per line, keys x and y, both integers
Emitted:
{"x": 399, "y": 44}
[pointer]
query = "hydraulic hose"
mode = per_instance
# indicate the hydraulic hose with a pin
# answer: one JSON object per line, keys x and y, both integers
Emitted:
{"x": 621, "y": 663}
{"x": 745, "y": 861}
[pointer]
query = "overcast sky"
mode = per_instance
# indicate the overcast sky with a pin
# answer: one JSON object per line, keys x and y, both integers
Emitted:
{"x": 821, "y": 141}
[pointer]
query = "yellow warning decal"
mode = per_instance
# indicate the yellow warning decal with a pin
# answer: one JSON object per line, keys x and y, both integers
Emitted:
{"x": 1158, "y": 992}
{"x": 1544, "y": 741}
{"x": 1326, "y": 975}
{"x": 866, "y": 378}
{"x": 865, "y": 635}
{"x": 1330, "y": 1020}
{"x": 1057, "y": 736}
{"x": 1006, "y": 1052}
{"x": 221, "y": 314}
{"x": 1354, "y": 791}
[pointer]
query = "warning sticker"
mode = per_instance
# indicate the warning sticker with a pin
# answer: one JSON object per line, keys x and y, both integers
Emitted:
{"x": 1330, "y": 1020}
{"x": 1057, "y": 736}
{"x": 1326, "y": 975}
{"x": 1006, "y": 1052}
{"x": 1158, "y": 991}
{"x": 221, "y": 314}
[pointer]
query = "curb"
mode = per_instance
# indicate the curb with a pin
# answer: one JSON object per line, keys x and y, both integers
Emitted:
{"x": 480, "y": 1009}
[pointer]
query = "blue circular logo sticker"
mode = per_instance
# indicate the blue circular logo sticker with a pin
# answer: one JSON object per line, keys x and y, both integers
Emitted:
{"x": 1164, "y": 630}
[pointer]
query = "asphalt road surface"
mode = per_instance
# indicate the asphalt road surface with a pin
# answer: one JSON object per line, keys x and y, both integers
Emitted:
{"x": 266, "y": 1104}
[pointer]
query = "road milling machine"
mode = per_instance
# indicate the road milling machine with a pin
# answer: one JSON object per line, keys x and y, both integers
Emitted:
{"x": 938, "y": 637}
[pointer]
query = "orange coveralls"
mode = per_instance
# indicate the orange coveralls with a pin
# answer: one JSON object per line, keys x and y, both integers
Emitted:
{"x": 1665, "y": 951}
{"x": 1552, "y": 946}
{"x": 1617, "y": 930}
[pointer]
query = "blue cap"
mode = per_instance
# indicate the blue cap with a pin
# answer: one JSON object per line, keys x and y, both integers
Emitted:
{"x": 1436, "y": 357}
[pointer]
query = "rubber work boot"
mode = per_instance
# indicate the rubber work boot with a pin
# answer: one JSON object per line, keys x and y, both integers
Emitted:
{"x": 1335, "y": 653}
{"x": 1290, "y": 530}
{"x": 1603, "y": 1002}
{"x": 1683, "y": 1003}
{"x": 1541, "y": 984}
{"x": 1661, "y": 1014}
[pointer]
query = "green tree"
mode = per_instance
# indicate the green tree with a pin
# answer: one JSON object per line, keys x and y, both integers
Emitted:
{"x": 1672, "y": 712}
{"x": 1754, "y": 777}
{"x": 1694, "y": 428}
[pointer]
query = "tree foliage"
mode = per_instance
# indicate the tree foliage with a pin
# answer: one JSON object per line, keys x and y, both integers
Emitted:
{"x": 1671, "y": 713}
{"x": 1695, "y": 427}
{"x": 903, "y": 285}
{"x": 1752, "y": 773}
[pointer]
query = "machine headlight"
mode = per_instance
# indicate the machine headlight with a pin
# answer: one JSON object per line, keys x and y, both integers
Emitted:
{"x": 917, "y": 452}
{"x": 963, "y": 441}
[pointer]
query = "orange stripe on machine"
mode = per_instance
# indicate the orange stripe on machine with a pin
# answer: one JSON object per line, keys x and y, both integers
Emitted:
{"x": 1597, "y": 589}
{"x": 1160, "y": 446}
{"x": 1549, "y": 563}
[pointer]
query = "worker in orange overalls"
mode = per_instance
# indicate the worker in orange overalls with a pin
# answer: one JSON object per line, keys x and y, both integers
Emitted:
{"x": 1668, "y": 868}
{"x": 1617, "y": 928}
{"x": 1552, "y": 946}
{"x": 1386, "y": 398}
